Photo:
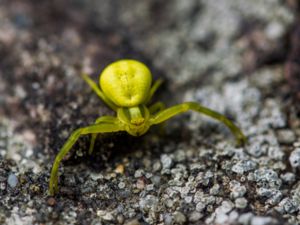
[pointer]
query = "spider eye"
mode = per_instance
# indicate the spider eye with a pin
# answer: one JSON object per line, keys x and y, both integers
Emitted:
{"x": 137, "y": 121}
{"x": 126, "y": 82}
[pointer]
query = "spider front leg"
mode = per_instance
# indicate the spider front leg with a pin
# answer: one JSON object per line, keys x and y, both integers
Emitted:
{"x": 96, "y": 89}
{"x": 153, "y": 89}
{"x": 103, "y": 119}
{"x": 181, "y": 108}
{"x": 98, "y": 128}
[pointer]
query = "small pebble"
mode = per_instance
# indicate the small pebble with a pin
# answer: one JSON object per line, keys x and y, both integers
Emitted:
{"x": 245, "y": 218}
{"x": 108, "y": 216}
{"x": 288, "y": 178}
{"x": 258, "y": 147}
{"x": 2, "y": 186}
{"x": 215, "y": 190}
{"x": 259, "y": 220}
{"x": 156, "y": 166}
{"x": 195, "y": 216}
{"x": 221, "y": 218}
{"x": 286, "y": 136}
{"x": 267, "y": 178}
{"x": 179, "y": 218}
{"x": 244, "y": 166}
{"x": 166, "y": 161}
{"x": 287, "y": 205}
{"x": 120, "y": 169}
{"x": 188, "y": 199}
{"x": 237, "y": 190}
{"x": 200, "y": 206}
{"x": 275, "y": 198}
{"x": 274, "y": 30}
{"x": 138, "y": 173}
{"x": 105, "y": 215}
{"x": 241, "y": 203}
{"x": 34, "y": 188}
{"x": 132, "y": 222}
{"x": 51, "y": 201}
{"x": 295, "y": 158}
{"x": 12, "y": 180}
{"x": 156, "y": 180}
{"x": 225, "y": 207}
{"x": 296, "y": 144}
{"x": 120, "y": 219}
{"x": 169, "y": 203}
{"x": 121, "y": 185}
{"x": 233, "y": 217}
{"x": 148, "y": 203}
{"x": 140, "y": 183}
{"x": 168, "y": 219}
{"x": 150, "y": 187}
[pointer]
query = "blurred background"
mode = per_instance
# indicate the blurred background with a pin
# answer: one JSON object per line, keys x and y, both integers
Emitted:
{"x": 240, "y": 58}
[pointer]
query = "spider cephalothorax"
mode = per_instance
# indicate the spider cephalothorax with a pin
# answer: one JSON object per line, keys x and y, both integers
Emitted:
{"x": 126, "y": 89}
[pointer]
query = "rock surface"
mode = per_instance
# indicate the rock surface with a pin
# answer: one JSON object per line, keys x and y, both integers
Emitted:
{"x": 227, "y": 55}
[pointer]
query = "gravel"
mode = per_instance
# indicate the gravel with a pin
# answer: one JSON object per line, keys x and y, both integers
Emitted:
{"x": 227, "y": 55}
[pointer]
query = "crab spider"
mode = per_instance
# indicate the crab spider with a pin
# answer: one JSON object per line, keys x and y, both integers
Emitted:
{"x": 125, "y": 86}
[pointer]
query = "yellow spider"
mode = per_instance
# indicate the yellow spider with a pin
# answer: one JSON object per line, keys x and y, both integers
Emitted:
{"x": 126, "y": 89}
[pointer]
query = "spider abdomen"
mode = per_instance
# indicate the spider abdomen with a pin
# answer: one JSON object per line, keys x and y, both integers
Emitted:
{"x": 126, "y": 82}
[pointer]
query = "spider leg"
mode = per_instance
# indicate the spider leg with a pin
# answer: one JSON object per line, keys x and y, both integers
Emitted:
{"x": 98, "y": 128}
{"x": 95, "y": 88}
{"x": 181, "y": 108}
{"x": 156, "y": 107}
{"x": 102, "y": 119}
{"x": 153, "y": 89}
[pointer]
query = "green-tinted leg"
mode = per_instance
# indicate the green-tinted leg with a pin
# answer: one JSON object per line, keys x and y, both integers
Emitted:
{"x": 156, "y": 108}
{"x": 93, "y": 140}
{"x": 103, "y": 119}
{"x": 177, "y": 109}
{"x": 95, "y": 88}
{"x": 153, "y": 89}
{"x": 98, "y": 128}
